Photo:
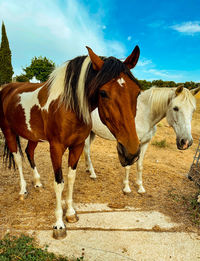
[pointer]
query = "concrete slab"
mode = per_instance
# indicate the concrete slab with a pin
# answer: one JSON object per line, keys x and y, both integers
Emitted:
{"x": 124, "y": 245}
{"x": 118, "y": 235}
{"x": 123, "y": 220}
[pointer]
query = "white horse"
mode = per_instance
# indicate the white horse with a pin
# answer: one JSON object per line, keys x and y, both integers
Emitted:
{"x": 176, "y": 104}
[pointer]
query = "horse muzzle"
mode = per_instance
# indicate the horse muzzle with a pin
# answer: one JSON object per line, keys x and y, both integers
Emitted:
{"x": 183, "y": 144}
{"x": 125, "y": 157}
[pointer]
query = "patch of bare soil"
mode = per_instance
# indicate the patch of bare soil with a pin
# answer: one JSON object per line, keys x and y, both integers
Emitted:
{"x": 168, "y": 190}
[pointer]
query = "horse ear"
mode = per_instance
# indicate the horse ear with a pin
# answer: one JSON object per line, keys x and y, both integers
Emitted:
{"x": 179, "y": 89}
{"x": 132, "y": 59}
{"x": 97, "y": 63}
{"x": 194, "y": 91}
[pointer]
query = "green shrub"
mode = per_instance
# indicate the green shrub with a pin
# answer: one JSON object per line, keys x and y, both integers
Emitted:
{"x": 22, "y": 78}
{"x": 23, "y": 248}
{"x": 160, "y": 144}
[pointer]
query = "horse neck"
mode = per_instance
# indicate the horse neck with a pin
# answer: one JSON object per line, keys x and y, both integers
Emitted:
{"x": 155, "y": 103}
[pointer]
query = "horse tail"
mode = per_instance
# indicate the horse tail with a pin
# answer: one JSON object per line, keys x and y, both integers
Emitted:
{"x": 8, "y": 157}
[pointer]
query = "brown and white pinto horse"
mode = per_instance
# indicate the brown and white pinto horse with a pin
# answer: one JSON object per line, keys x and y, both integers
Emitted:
{"x": 58, "y": 111}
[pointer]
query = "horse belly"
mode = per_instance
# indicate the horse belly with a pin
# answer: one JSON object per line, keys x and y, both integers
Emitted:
{"x": 28, "y": 125}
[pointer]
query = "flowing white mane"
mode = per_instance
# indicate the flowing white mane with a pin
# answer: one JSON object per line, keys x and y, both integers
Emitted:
{"x": 161, "y": 97}
{"x": 59, "y": 88}
{"x": 56, "y": 83}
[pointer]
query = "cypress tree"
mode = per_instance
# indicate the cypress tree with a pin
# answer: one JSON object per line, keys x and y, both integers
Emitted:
{"x": 6, "y": 70}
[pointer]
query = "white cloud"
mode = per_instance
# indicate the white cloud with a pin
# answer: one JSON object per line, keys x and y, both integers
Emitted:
{"x": 60, "y": 33}
{"x": 151, "y": 74}
{"x": 144, "y": 62}
{"x": 147, "y": 70}
{"x": 188, "y": 27}
{"x": 129, "y": 38}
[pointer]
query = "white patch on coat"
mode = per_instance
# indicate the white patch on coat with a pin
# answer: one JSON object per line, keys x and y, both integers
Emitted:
{"x": 57, "y": 84}
{"x": 121, "y": 81}
{"x": 27, "y": 101}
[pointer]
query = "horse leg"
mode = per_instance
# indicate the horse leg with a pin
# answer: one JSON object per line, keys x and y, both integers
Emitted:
{"x": 126, "y": 188}
{"x": 140, "y": 167}
{"x": 30, "y": 155}
{"x": 74, "y": 155}
{"x": 12, "y": 146}
{"x": 88, "y": 161}
{"x": 56, "y": 151}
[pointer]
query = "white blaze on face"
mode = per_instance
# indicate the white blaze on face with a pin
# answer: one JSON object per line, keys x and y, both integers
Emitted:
{"x": 27, "y": 101}
{"x": 121, "y": 81}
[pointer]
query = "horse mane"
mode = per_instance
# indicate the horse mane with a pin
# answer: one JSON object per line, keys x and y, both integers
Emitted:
{"x": 161, "y": 97}
{"x": 76, "y": 83}
{"x": 111, "y": 69}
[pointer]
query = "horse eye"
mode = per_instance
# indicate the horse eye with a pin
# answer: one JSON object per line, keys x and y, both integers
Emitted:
{"x": 175, "y": 108}
{"x": 103, "y": 94}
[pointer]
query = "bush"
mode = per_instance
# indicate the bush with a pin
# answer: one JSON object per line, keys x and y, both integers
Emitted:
{"x": 22, "y": 78}
{"x": 160, "y": 144}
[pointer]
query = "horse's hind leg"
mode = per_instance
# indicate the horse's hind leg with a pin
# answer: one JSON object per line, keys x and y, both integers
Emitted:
{"x": 11, "y": 141}
{"x": 30, "y": 155}
{"x": 88, "y": 161}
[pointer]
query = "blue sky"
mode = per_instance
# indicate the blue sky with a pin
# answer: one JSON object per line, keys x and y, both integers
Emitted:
{"x": 167, "y": 32}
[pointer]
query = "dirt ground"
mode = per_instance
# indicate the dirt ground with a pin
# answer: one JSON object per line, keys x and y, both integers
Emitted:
{"x": 164, "y": 177}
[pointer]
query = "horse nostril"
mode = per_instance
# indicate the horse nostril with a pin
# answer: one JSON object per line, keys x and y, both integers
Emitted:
{"x": 182, "y": 142}
{"x": 190, "y": 178}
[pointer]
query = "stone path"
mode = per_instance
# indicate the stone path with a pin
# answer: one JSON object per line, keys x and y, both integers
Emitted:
{"x": 105, "y": 234}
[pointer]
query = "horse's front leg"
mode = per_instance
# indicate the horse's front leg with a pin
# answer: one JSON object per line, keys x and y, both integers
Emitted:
{"x": 143, "y": 149}
{"x": 74, "y": 155}
{"x": 88, "y": 161}
{"x": 56, "y": 151}
{"x": 30, "y": 155}
{"x": 126, "y": 188}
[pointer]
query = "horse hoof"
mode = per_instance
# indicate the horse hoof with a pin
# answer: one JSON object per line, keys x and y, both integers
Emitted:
{"x": 72, "y": 219}
{"x": 38, "y": 186}
{"x": 141, "y": 191}
{"x": 59, "y": 233}
{"x": 92, "y": 176}
{"x": 23, "y": 196}
{"x": 127, "y": 192}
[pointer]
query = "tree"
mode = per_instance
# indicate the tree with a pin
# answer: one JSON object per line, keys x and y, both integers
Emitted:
{"x": 6, "y": 70}
{"x": 190, "y": 85}
{"x": 145, "y": 84}
{"x": 22, "y": 78}
{"x": 40, "y": 68}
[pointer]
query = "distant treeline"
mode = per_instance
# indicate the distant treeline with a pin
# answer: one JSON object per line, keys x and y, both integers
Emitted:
{"x": 160, "y": 83}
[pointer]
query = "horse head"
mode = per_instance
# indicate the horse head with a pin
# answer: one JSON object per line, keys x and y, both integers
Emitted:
{"x": 116, "y": 92}
{"x": 179, "y": 115}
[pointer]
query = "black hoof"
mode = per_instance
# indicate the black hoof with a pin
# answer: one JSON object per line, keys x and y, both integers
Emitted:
{"x": 59, "y": 233}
